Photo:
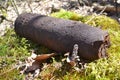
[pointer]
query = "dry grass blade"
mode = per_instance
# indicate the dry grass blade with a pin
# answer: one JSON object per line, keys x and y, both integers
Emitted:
{"x": 14, "y": 6}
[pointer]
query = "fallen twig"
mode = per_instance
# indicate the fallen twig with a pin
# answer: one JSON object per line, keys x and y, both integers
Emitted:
{"x": 4, "y": 18}
{"x": 95, "y": 15}
{"x": 109, "y": 8}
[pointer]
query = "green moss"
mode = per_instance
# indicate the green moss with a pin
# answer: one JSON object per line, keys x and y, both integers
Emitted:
{"x": 13, "y": 49}
{"x": 11, "y": 75}
{"x": 101, "y": 21}
{"x": 66, "y": 15}
{"x": 11, "y": 44}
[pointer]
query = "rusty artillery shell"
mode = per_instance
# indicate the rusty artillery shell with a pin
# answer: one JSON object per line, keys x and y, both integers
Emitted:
{"x": 61, "y": 35}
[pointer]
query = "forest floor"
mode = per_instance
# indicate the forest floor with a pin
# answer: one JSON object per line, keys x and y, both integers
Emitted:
{"x": 14, "y": 49}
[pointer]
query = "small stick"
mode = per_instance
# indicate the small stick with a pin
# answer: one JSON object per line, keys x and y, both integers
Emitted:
{"x": 96, "y": 15}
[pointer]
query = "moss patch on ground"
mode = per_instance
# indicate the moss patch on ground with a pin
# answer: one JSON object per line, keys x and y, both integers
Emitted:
{"x": 66, "y": 15}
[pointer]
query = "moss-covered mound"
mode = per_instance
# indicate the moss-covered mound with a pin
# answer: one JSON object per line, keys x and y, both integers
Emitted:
{"x": 103, "y": 69}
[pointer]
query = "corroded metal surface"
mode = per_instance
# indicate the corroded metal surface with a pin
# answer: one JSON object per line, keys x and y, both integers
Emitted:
{"x": 61, "y": 35}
